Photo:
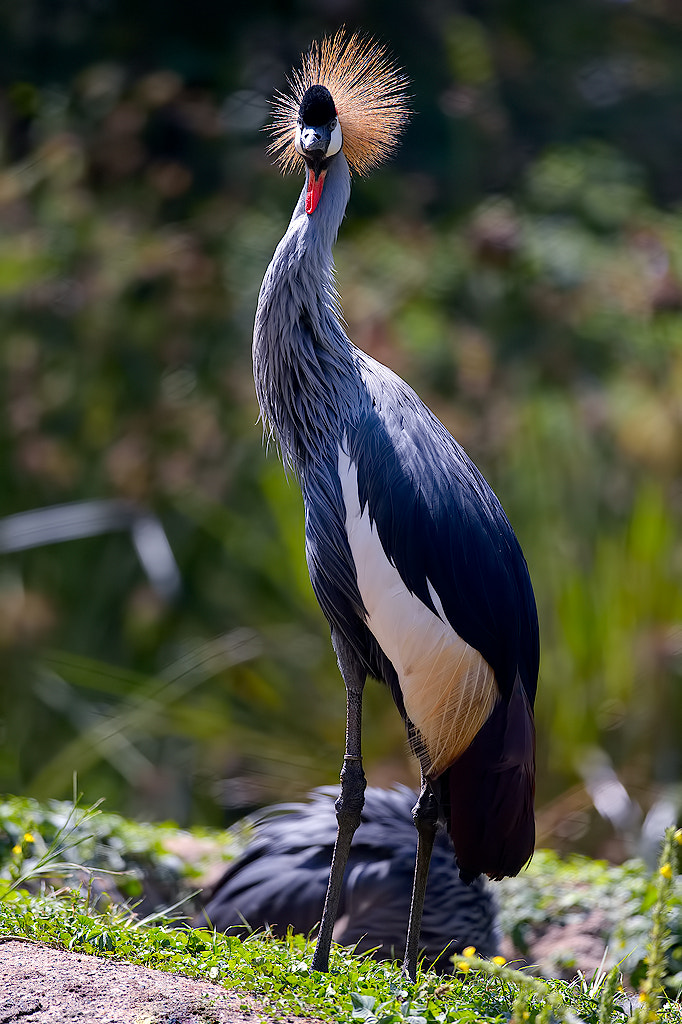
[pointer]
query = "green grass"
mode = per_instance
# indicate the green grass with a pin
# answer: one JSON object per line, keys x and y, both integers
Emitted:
{"x": 278, "y": 972}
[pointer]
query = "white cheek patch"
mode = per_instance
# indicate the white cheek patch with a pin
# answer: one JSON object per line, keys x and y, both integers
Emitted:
{"x": 448, "y": 688}
{"x": 336, "y": 140}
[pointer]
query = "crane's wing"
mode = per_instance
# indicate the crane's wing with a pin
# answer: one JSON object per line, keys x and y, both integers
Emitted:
{"x": 443, "y": 529}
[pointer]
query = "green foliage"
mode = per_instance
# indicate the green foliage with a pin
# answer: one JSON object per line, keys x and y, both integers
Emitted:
{"x": 612, "y": 902}
{"x": 65, "y": 852}
{"x": 660, "y": 938}
{"x": 107, "y": 858}
{"x": 357, "y": 988}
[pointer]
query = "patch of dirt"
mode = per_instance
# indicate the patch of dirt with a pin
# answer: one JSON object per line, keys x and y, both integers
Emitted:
{"x": 41, "y": 985}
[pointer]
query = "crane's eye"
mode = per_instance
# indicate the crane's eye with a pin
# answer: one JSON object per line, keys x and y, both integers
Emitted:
{"x": 333, "y": 123}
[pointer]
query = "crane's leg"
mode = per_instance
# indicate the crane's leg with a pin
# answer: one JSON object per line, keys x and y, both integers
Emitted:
{"x": 351, "y": 800}
{"x": 425, "y": 814}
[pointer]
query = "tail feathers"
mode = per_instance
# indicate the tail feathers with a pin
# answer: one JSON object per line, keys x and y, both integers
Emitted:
{"x": 491, "y": 788}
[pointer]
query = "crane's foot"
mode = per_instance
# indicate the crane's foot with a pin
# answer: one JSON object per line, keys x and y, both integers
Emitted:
{"x": 425, "y": 815}
{"x": 321, "y": 959}
{"x": 409, "y": 972}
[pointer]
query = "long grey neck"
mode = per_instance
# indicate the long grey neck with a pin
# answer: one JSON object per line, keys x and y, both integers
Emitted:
{"x": 302, "y": 359}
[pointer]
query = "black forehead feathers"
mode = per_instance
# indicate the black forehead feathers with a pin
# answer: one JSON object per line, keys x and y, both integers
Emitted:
{"x": 317, "y": 106}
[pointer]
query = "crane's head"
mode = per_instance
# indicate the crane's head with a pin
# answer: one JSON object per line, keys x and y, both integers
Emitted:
{"x": 347, "y": 94}
{"x": 318, "y": 138}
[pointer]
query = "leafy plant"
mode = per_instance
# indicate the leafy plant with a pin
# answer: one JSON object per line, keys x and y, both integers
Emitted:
{"x": 357, "y": 988}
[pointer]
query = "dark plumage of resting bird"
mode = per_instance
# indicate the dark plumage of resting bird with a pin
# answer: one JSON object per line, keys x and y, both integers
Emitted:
{"x": 411, "y": 557}
{"x": 280, "y": 880}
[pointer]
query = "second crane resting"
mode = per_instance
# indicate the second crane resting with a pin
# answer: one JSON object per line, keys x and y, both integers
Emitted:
{"x": 411, "y": 557}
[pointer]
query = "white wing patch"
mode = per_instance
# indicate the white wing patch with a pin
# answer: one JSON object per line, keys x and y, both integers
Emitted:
{"x": 448, "y": 688}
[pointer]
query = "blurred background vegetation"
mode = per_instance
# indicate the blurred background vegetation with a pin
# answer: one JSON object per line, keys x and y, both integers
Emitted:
{"x": 519, "y": 262}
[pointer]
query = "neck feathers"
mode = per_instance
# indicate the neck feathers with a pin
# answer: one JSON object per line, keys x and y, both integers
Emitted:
{"x": 302, "y": 358}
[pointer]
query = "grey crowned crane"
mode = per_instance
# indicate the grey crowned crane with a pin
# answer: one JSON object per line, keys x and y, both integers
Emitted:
{"x": 411, "y": 557}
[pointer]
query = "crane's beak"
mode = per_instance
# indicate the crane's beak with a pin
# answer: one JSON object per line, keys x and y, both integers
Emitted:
{"x": 314, "y": 186}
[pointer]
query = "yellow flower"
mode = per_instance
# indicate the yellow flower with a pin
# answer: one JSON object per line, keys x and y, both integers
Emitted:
{"x": 16, "y": 850}
{"x": 28, "y": 838}
{"x": 499, "y": 960}
{"x": 667, "y": 871}
{"x": 678, "y": 836}
{"x": 469, "y": 951}
{"x": 463, "y": 967}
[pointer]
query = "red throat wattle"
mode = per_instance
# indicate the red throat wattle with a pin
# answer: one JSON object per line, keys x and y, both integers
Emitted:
{"x": 313, "y": 189}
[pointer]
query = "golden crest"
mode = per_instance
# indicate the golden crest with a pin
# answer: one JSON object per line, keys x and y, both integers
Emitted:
{"x": 369, "y": 92}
